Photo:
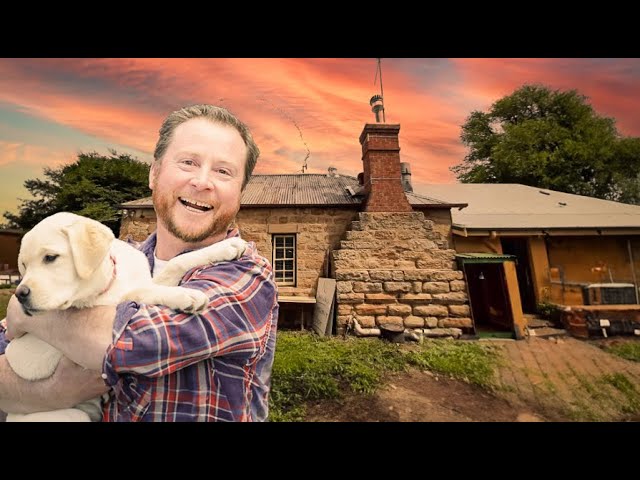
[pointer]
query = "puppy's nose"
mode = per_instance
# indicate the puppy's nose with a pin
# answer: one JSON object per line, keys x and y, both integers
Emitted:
{"x": 22, "y": 292}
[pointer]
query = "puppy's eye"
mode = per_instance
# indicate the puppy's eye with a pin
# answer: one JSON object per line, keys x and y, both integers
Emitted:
{"x": 50, "y": 258}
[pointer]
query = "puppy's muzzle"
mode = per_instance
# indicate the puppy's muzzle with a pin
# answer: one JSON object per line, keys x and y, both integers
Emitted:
{"x": 22, "y": 293}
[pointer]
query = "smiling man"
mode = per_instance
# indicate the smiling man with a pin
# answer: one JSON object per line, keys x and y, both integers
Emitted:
{"x": 157, "y": 364}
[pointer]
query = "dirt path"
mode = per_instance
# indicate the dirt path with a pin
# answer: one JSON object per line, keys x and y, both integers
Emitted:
{"x": 417, "y": 396}
{"x": 556, "y": 380}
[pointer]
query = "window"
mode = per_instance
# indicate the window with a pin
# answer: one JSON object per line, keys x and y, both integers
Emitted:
{"x": 284, "y": 259}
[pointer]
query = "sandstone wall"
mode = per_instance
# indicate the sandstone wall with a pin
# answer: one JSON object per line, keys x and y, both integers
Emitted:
{"x": 318, "y": 231}
{"x": 398, "y": 268}
{"x": 137, "y": 224}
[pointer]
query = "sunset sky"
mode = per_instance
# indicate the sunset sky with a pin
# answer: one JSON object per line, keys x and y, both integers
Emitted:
{"x": 51, "y": 109}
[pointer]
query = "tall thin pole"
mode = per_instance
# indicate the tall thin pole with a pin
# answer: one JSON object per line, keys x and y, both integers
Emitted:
{"x": 384, "y": 118}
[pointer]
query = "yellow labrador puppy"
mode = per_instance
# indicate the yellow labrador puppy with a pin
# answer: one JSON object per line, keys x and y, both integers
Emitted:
{"x": 68, "y": 260}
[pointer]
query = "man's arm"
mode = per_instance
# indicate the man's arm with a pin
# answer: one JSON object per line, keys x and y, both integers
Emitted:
{"x": 157, "y": 340}
{"x": 69, "y": 385}
{"x": 82, "y": 335}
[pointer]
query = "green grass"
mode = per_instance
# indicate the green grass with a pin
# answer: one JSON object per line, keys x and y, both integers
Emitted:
{"x": 4, "y": 301}
{"x": 630, "y": 351}
{"x": 309, "y": 368}
{"x": 468, "y": 361}
{"x": 620, "y": 382}
{"x": 495, "y": 334}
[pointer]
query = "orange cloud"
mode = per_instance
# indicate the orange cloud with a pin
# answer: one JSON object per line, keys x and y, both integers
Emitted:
{"x": 31, "y": 155}
{"x": 297, "y": 107}
{"x": 611, "y": 85}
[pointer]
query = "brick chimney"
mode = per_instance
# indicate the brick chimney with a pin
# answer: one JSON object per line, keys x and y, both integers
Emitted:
{"x": 382, "y": 178}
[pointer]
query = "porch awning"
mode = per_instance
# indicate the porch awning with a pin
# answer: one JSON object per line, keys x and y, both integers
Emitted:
{"x": 466, "y": 258}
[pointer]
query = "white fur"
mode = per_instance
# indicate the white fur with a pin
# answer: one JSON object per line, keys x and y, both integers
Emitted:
{"x": 78, "y": 277}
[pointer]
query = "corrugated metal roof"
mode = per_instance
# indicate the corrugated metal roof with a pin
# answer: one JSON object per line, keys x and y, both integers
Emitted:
{"x": 299, "y": 189}
{"x": 143, "y": 202}
{"x": 417, "y": 200}
{"x": 307, "y": 189}
{"x": 517, "y": 207}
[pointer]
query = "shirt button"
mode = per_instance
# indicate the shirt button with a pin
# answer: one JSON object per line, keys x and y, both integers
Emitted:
{"x": 104, "y": 376}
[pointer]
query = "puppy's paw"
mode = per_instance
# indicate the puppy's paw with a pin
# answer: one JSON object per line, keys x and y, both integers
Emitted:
{"x": 233, "y": 249}
{"x": 170, "y": 275}
{"x": 193, "y": 301}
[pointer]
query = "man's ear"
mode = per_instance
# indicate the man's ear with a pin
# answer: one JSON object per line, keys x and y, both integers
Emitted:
{"x": 90, "y": 242}
{"x": 153, "y": 173}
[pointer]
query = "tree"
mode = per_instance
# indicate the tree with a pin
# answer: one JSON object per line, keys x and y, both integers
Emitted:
{"x": 550, "y": 139}
{"x": 93, "y": 186}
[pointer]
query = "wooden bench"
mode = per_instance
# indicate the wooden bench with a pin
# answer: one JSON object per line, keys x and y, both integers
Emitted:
{"x": 297, "y": 299}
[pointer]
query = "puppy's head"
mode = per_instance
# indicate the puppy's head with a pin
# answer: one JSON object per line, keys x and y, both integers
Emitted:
{"x": 60, "y": 260}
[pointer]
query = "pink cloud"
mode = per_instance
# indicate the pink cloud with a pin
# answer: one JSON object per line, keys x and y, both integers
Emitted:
{"x": 32, "y": 155}
{"x": 323, "y": 100}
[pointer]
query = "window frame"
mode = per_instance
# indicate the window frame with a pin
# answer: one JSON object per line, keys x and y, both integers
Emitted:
{"x": 280, "y": 279}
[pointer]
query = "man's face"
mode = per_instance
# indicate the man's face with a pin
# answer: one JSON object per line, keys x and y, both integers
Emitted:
{"x": 198, "y": 184}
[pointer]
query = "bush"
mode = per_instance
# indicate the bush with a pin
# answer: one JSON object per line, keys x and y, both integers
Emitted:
{"x": 550, "y": 311}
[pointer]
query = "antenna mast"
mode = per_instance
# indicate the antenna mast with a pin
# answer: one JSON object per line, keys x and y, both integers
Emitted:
{"x": 379, "y": 71}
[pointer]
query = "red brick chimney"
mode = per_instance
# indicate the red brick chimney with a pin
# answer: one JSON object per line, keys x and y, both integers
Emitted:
{"x": 382, "y": 176}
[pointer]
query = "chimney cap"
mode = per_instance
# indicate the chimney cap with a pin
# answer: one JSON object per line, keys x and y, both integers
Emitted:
{"x": 375, "y": 99}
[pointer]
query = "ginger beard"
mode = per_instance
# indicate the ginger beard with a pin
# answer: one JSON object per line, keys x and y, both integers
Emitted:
{"x": 166, "y": 204}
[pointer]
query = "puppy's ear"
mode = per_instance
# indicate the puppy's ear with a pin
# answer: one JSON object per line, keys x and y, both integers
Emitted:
{"x": 90, "y": 242}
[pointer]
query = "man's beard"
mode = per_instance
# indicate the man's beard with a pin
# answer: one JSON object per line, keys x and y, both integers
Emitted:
{"x": 218, "y": 225}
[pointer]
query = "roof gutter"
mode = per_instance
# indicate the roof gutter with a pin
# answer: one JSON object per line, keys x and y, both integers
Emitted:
{"x": 466, "y": 231}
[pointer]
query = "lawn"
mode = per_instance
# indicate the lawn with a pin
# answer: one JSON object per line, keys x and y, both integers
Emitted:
{"x": 309, "y": 368}
{"x": 5, "y": 295}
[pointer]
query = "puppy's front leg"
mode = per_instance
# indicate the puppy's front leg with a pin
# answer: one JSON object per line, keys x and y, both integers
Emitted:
{"x": 224, "y": 251}
{"x": 179, "y": 298}
{"x": 31, "y": 358}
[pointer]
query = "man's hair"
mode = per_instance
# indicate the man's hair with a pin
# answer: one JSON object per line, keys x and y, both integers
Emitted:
{"x": 217, "y": 115}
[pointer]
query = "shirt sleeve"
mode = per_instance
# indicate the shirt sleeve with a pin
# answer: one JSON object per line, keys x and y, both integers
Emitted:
{"x": 154, "y": 340}
{"x": 3, "y": 340}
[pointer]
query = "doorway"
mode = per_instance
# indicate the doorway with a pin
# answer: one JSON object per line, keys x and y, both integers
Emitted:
{"x": 489, "y": 299}
{"x": 519, "y": 247}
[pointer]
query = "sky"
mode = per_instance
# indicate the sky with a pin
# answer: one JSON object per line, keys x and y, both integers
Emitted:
{"x": 299, "y": 109}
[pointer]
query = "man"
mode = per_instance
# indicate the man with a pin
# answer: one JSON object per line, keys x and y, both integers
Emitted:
{"x": 158, "y": 364}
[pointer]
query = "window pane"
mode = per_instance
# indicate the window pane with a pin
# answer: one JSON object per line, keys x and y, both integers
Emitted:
{"x": 284, "y": 255}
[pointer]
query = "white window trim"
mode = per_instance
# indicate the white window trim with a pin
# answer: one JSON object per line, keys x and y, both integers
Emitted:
{"x": 275, "y": 250}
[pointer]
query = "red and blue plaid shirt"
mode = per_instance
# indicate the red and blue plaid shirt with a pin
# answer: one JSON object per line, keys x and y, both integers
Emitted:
{"x": 216, "y": 365}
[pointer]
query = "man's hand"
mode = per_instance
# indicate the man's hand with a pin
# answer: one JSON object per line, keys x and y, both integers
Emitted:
{"x": 69, "y": 385}
{"x": 16, "y": 319}
{"x": 74, "y": 384}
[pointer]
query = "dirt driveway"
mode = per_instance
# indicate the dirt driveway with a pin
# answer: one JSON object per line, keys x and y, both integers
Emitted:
{"x": 563, "y": 379}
